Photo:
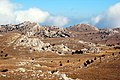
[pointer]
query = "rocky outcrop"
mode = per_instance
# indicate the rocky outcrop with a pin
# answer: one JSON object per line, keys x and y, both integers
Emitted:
{"x": 28, "y": 35}
{"x": 108, "y": 32}
{"x": 94, "y": 50}
{"x": 47, "y": 33}
{"x": 32, "y": 42}
{"x": 61, "y": 49}
{"x": 117, "y": 29}
{"x": 34, "y": 29}
{"x": 35, "y": 44}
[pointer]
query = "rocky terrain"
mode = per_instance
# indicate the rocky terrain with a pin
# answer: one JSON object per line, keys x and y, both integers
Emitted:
{"x": 92, "y": 34}
{"x": 34, "y": 29}
{"x": 82, "y": 28}
{"x": 29, "y": 51}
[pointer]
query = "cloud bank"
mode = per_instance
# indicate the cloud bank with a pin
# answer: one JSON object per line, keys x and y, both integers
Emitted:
{"x": 109, "y": 19}
{"x": 10, "y": 13}
{"x": 57, "y": 21}
{"x": 6, "y": 12}
{"x": 32, "y": 14}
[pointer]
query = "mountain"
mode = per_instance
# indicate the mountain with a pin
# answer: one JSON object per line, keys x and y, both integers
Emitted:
{"x": 29, "y": 35}
{"x": 82, "y": 28}
{"x": 90, "y": 33}
{"x": 29, "y": 51}
{"x": 34, "y": 29}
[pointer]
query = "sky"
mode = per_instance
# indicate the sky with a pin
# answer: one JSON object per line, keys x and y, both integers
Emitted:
{"x": 62, "y": 13}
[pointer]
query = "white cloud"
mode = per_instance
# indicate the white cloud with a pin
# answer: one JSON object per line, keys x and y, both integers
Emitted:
{"x": 6, "y": 11}
{"x": 33, "y": 15}
{"x": 110, "y": 18}
{"x": 9, "y": 13}
{"x": 96, "y": 19}
{"x": 59, "y": 21}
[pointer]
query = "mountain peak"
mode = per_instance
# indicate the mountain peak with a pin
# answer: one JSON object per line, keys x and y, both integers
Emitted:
{"x": 83, "y": 27}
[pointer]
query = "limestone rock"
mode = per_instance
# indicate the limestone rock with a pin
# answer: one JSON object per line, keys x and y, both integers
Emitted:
{"x": 94, "y": 50}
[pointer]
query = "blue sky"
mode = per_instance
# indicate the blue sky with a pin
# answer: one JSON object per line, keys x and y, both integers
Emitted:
{"x": 70, "y": 8}
{"x": 62, "y": 12}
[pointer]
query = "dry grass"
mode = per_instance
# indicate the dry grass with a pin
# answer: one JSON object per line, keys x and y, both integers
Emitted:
{"x": 38, "y": 64}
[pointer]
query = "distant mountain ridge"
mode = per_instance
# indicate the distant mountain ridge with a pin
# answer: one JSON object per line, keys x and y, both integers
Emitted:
{"x": 85, "y": 32}
{"x": 34, "y": 29}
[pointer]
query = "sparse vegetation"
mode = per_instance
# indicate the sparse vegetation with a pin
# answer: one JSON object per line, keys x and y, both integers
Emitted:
{"x": 35, "y": 56}
{"x": 5, "y": 70}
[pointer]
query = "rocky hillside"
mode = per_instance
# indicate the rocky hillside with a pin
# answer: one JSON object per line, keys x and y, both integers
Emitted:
{"x": 34, "y": 29}
{"x": 108, "y": 32}
{"x": 60, "y": 40}
{"x": 28, "y": 35}
{"x": 82, "y": 28}
{"x": 29, "y": 51}
{"x": 16, "y": 41}
{"x": 90, "y": 33}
